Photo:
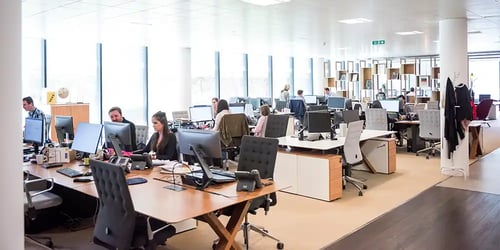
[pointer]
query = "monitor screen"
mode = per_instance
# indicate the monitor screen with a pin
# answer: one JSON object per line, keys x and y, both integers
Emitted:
{"x": 266, "y": 100}
{"x": 336, "y": 102}
{"x": 484, "y": 97}
{"x": 350, "y": 116}
{"x": 33, "y": 130}
{"x": 118, "y": 134}
{"x": 390, "y": 105}
{"x": 310, "y": 99}
{"x": 255, "y": 102}
{"x": 200, "y": 113}
{"x": 64, "y": 128}
{"x": 319, "y": 122}
{"x": 208, "y": 140}
{"x": 87, "y": 137}
{"x": 237, "y": 108}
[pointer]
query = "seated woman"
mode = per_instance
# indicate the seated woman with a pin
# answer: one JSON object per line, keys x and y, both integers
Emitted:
{"x": 163, "y": 142}
{"x": 260, "y": 128}
{"x": 222, "y": 109}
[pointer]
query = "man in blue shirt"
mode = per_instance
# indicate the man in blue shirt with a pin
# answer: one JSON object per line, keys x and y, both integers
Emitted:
{"x": 29, "y": 106}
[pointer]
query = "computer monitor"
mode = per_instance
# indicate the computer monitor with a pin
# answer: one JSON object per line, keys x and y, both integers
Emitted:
{"x": 336, "y": 102}
{"x": 390, "y": 105}
{"x": 208, "y": 140}
{"x": 87, "y": 137}
{"x": 484, "y": 97}
{"x": 266, "y": 100}
{"x": 280, "y": 105}
{"x": 200, "y": 113}
{"x": 319, "y": 122}
{"x": 310, "y": 99}
{"x": 321, "y": 99}
{"x": 33, "y": 132}
{"x": 255, "y": 102}
{"x": 237, "y": 108}
{"x": 118, "y": 135}
{"x": 350, "y": 116}
{"x": 64, "y": 128}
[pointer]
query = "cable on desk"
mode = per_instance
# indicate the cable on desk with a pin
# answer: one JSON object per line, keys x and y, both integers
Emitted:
{"x": 183, "y": 185}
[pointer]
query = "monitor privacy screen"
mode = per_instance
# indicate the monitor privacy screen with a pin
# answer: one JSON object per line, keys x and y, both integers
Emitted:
{"x": 200, "y": 113}
{"x": 390, "y": 105}
{"x": 33, "y": 130}
{"x": 87, "y": 137}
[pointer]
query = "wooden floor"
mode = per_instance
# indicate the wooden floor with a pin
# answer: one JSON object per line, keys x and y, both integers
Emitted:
{"x": 438, "y": 218}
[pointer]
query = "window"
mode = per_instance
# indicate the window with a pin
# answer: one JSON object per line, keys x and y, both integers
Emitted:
{"x": 303, "y": 75}
{"x": 485, "y": 79}
{"x": 258, "y": 76}
{"x": 282, "y": 74}
{"x": 203, "y": 86}
{"x": 232, "y": 71}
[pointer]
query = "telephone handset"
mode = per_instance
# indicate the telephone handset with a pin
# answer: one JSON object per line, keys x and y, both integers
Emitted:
{"x": 123, "y": 162}
{"x": 248, "y": 181}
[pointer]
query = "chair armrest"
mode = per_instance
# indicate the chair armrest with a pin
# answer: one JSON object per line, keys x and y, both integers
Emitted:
{"x": 152, "y": 232}
{"x": 27, "y": 182}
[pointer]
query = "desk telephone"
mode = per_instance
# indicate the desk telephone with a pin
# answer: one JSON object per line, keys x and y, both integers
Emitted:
{"x": 123, "y": 162}
{"x": 248, "y": 181}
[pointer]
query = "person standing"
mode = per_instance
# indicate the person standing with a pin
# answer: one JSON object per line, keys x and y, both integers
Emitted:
{"x": 115, "y": 114}
{"x": 33, "y": 112}
{"x": 285, "y": 94}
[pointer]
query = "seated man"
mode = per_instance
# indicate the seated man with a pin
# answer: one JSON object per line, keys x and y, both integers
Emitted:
{"x": 115, "y": 114}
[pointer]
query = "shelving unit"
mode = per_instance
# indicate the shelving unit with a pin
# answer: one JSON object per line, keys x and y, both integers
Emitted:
{"x": 79, "y": 112}
{"x": 366, "y": 80}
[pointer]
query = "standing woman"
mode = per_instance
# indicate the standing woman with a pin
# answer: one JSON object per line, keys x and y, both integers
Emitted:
{"x": 222, "y": 109}
{"x": 163, "y": 141}
{"x": 260, "y": 128}
{"x": 285, "y": 94}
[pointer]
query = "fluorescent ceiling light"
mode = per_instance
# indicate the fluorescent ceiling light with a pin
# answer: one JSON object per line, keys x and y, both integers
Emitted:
{"x": 407, "y": 33}
{"x": 474, "y": 32}
{"x": 355, "y": 20}
{"x": 265, "y": 2}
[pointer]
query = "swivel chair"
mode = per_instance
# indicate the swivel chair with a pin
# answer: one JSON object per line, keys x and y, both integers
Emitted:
{"x": 118, "y": 226}
{"x": 430, "y": 131}
{"x": 298, "y": 108}
{"x": 352, "y": 155}
{"x": 141, "y": 134}
{"x": 483, "y": 109}
{"x": 39, "y": 200}
{"x": 276, "y": 126}
{"x": 232, "y": 128}
{"x": 259, "y": 153}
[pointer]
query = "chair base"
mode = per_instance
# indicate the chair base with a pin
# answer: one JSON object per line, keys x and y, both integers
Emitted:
{"x": 360, "y": 185}
{"x": 431, "y": 150}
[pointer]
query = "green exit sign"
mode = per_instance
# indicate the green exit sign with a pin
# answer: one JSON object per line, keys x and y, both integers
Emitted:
{"x": 378, "y": 42}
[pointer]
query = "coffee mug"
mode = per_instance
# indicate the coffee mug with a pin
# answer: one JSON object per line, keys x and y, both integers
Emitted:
{"x": 40, "y": 159}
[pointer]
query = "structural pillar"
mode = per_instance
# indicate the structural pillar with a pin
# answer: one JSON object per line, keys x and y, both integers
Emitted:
{"x": 11, "y": 185}
{"x": 453, "y": 56}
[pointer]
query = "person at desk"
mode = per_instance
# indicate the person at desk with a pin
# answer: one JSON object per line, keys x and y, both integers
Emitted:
{"x": 222, "y": 109}
{"x": 261, "y": 123}
{"x": 163, "y": 142}
{"x": 412, "y": 92}
{"x": 328, "y": 93}
{"x": 33, "y": 112}
{"x": 215, "y": 100}
{"x": 390, "y": 121}
{"x": 115, "y": 114}
{"x": 300, "y": 95}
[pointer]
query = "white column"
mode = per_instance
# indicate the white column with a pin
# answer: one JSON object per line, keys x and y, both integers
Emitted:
{"x": 11, "y": 217}
{"x": 453, "y": 56}
{"x": 185, "y": 78}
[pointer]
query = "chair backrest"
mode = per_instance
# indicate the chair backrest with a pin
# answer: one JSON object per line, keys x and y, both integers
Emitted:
{"x": 141, "y": 134}
{"x": 348, "y": 104}
{"x": 483, "y": 109}
{"x": 433, "y": 105}
{"x": 376, "y": 119}
{"x": 352, "y": 150}
{"x": 276, "y": 126}
{"x": 232, "y": 128}
{"x": 280, "y": 105}
{"x": 116, "y": 218}
{"x": 419, "y": 106}
{"x": 357, "y": 106}
{"x": 409, "y": 108}
{"x": 259, "y": 153}
{"x": 298, "y": 108}
{"x": 429, "y": 124}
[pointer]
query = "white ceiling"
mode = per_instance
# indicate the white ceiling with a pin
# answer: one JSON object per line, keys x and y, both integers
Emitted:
{"x": 300, "y": 27}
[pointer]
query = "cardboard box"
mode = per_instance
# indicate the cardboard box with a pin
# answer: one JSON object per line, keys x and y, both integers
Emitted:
{"x": 62, "y": 154}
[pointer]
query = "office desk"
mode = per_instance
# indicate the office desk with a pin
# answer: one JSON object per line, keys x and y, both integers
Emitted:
{"x": 154, "y": 200}
{"x": 475, "y": 139}
{"x": 415, "y": 144}
{"x": 315, "y": 174}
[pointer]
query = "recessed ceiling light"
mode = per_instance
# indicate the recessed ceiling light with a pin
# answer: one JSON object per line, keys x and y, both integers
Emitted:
{"x": 408, "y": 33}
{"x": 265, "y": 2}
{"x": 355, "y": 20}
{"x": 474, "y": 32}
{"x": 435, "y": 41}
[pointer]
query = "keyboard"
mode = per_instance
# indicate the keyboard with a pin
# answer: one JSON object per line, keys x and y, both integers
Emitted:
{"x": 52, "y": 165}
{"x": 69, "y": 172}
{"x": 223, "y": 172}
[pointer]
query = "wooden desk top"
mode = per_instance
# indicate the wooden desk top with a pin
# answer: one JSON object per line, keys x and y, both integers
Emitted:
{"x": 156, "y": 201}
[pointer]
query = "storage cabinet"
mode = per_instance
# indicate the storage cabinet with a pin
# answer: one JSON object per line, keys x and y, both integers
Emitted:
{"x": 310, "y": 174}
{"x": 79, "y": 112}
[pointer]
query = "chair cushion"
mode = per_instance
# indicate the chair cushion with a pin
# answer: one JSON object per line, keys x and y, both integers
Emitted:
{"x": 42, "y": 201}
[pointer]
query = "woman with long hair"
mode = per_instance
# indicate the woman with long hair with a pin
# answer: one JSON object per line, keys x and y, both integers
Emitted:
{"x": 163, "y": 142}
{"x": 222, "y": 109}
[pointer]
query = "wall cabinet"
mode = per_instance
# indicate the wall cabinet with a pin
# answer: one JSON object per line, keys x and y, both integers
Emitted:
{"x": 79, "y": 112}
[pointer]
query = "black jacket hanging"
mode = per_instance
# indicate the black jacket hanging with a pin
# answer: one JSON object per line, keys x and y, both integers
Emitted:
{"x": 450, "y": 127}
{"x": 464, "y": 109}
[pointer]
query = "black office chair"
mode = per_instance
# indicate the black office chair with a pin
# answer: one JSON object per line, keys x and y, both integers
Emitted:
{"x": 259, "y": 153}
{"x": 118, "y": 226}
{"x": 276, "y": 126}
{"x": 298, "y": 108}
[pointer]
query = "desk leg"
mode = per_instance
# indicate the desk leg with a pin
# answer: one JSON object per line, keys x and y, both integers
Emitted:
{"x": 475, "y": 148}
{"x": 228, "y": 233}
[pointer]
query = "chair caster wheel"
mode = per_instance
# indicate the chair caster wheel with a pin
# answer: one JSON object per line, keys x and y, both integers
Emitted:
{"x": 280, "y": 245}
{"x": 343, "y": 186}
{"x": 360, "y": 193}
{"x": 416, "y": 154}
{"x": 365, "y": 186}
{"x": 427, "y": 157}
